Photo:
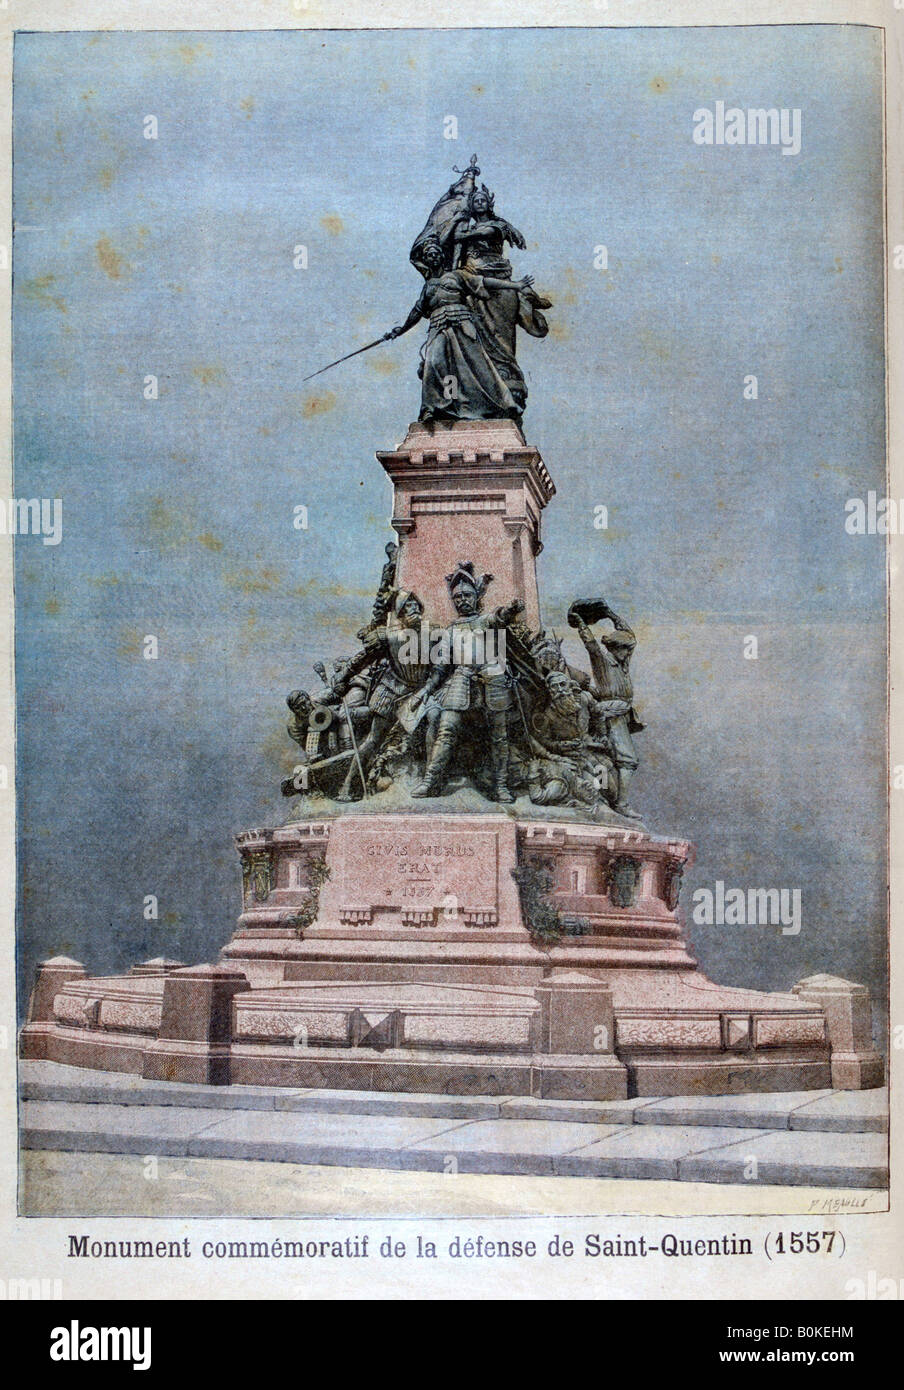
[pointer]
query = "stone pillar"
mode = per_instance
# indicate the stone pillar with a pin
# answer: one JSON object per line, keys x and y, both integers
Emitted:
{"x": 53, "y": 975}
{"x": 856, "y": 1065}
{"x": 468, "y": 490}
{"x": 577, "y": 1030}
{"x": 577, "y": 1013}
{"x": 195, "y": 1026}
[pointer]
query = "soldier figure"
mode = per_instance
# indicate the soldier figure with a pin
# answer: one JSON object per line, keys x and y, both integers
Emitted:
{"x": 610, "y": 659}
{"x": 574, "y": 721}
{"x": 572, "y": 731}
{"x": 399, "y": 678}
{"x": 300, "y": 707}
{"x": 471, "y": 680}
{"x": 385, "y": 591}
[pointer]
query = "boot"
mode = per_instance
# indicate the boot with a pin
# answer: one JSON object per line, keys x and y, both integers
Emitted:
{"x": 621, "y": 806}
{"x": 499, "y": 754}
{"x": 353, "y": 777}
{"x": 425, "y": 787}
{"x": 432, "y": 780}
{"x": 345, "y": 793}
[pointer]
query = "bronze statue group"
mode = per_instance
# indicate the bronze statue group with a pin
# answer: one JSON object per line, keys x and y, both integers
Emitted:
{"x": 429, "y": 709}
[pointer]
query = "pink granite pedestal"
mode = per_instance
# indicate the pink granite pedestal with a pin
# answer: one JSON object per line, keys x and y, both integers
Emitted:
{"x": 469, "y": 490}
{"x": 419, "y": 972}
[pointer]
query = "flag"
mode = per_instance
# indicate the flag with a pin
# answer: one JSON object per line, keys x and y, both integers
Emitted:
{"x": 442, "y": 219}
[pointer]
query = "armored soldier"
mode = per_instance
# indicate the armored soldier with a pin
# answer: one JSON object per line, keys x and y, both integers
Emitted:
{"x": 473, "y": 678}
{"x": 399, "y": 677}
{"x": 358, "y": 692}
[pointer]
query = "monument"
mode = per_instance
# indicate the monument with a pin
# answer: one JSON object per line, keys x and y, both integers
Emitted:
{"x": 463, "y": 899}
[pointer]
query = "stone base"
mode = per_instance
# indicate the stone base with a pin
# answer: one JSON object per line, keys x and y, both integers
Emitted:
{"x": 431, "y": 897}
{"x": 434, "y": 1071}
{"x": 419, "y": 972}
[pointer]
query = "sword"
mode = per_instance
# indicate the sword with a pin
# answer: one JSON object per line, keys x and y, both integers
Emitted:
{"x": 351, "y": 729}
{"x": 366, "y": 348}
{"x": 514, "y": 683}
{"x": 533, "y": 743}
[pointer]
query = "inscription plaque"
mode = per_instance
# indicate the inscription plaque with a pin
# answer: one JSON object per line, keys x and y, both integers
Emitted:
{"x": 448, "y": 870}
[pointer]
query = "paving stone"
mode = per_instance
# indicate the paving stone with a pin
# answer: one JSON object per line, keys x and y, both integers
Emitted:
{"x": 794, "y": 1159}
{"x": 851, "y": 1112}
{"x": 155, "y": 1093}
{"x": 820, "y": 1139}
{"x": 369, "y": 1141}
{"x": 392, "y": 1103}
{"x": 769, "y": 1110}
{"x": 645, "y": 1151}
{"x": 620, "y": 1112}
{"x": 124, "y": 1129}
{"x": 566, "y": 1148}
{"x": 52, "y": 1081}
{"x": 506, "y": 1146}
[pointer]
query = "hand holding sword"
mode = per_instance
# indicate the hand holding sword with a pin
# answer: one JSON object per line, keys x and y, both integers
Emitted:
{"x": 393, "y": 333}
{"x": 396, "y": 332}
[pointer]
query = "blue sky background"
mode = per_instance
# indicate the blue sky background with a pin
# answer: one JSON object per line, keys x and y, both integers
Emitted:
{"x": 174, "y": 257}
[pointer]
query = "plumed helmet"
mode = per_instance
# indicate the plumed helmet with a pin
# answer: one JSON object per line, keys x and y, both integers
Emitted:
{"x": 463, "y": 575}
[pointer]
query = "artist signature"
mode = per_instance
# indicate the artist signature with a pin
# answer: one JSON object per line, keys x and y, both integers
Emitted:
{"x": 838, "y": 1204}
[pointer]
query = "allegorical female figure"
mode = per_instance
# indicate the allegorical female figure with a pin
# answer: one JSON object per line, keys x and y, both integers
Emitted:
{"x": 466, "y": 372}
{"x": 469, "y": 369}
{"x": 478, "y": 239}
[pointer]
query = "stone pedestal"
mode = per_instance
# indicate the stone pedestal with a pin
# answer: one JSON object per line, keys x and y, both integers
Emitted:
{"x": 53, "y": 975}
{"x": 472, "y": 490}
{"x": 193, "y": 1042}
{"x": 415, "y": 966}
{"x": 856, "y": 1065}
{"x": 432, "y": 897}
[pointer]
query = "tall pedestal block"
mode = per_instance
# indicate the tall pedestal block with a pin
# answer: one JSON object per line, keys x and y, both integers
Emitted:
{"x": 473, "y": 490}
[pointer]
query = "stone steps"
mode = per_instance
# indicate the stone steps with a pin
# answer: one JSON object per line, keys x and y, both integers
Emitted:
{"x": 768, "y": 1139}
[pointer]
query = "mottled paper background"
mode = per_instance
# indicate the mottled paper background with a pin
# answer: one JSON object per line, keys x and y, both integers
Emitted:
{"x": 174, "y": 257}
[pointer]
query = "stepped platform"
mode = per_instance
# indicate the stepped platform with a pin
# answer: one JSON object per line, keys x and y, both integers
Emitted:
{"x": 826, "y": 1139}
